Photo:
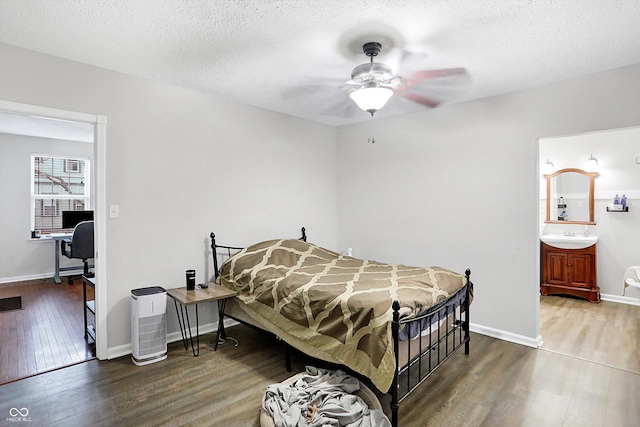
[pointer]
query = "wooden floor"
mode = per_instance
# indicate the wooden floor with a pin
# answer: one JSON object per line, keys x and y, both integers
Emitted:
{"x": 498, "y": 384}
{"x": 47, "y": 333}
{"x": 607, "y": 333}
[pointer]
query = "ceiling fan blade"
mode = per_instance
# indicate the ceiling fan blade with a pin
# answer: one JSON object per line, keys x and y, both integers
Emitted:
{"x": 326, "y": 99}
{"x": 403, "y": 61}
{"x": 432, "y": 87}
{"x": 302, "y": 91}
{"x": 436, "y": 74}
{"x": 340, "y": 108}
{"x": 395, "y": 83}
{"x": 419, "y": 99}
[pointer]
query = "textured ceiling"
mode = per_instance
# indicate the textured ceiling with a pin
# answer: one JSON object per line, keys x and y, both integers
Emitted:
{"x": 291, "y": 56}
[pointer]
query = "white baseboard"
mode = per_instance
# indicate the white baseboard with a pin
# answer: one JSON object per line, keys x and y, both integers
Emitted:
{"x": 537, "y": 342}
{"x": 506, "y": 336}
{"x": 621, "y": 299}
{"x": 39, "y": 276}
{"x": 121, "y": 350}
{"x": 25, "y": 278}
{"x": 125, "y": 349}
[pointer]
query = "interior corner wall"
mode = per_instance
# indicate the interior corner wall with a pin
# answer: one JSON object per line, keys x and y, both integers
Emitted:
{"x": 457, "y": 186}
{"x": 181, "y": 164}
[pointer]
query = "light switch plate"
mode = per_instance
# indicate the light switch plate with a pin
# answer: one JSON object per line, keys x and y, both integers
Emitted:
{"x": 114, "y": 211}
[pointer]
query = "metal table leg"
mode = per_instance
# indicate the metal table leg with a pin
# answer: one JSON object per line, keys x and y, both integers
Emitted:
{"x": 56, "y": 275}
{"x": 221, "y": 336}
{"x": 187, "y": 325}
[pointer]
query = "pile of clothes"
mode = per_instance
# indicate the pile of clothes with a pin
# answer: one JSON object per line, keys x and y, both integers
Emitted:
{"x": 321, "y": 398}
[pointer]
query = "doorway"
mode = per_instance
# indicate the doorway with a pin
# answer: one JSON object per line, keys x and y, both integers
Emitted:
{"x": 604, "y": 332}
{"x": 98, "y": 122}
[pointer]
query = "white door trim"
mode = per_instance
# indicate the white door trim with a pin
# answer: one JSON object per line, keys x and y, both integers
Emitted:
{"x": 100, "y": 211}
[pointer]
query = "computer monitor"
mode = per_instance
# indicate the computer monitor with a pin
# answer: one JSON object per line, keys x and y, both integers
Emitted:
{"x": 72, "y": 218}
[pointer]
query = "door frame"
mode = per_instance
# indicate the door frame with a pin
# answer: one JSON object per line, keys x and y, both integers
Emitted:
{"x": 99, "y": 123}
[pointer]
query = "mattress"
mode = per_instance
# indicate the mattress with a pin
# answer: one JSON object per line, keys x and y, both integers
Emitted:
{"x": 329, "y": 306}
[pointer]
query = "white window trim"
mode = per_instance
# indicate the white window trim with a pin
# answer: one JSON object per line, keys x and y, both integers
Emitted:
{"x": 88, "y": 200}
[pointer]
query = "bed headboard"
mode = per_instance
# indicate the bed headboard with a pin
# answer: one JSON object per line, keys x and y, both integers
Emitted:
{"x": 229, "y": 250}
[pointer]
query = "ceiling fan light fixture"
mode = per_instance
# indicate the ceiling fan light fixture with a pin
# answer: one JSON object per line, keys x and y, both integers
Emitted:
{"x": 371, "y": 98}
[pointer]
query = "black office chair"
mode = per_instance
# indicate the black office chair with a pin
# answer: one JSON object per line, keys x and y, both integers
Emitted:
{"x": 80, "y": 246}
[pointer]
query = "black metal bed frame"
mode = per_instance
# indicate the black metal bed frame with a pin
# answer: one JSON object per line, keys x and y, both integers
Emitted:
{"x": 437, "y": 348}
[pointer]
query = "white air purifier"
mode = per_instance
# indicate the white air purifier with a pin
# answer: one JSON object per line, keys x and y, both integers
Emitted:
{"x": 148, "y": 325}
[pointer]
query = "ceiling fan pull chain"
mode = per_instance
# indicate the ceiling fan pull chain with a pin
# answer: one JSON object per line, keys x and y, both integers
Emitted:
{"x": 371, "y": 139}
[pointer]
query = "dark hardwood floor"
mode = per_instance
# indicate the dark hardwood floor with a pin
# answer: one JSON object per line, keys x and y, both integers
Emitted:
{"x": 498, "y": 384}
{"x": 47, "y": 333}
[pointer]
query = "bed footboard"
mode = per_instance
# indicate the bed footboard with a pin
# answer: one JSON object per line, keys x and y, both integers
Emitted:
{"x": 431, "y": 338}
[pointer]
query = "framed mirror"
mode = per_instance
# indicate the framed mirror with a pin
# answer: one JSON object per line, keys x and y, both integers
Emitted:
{"x": 570, "y": 197}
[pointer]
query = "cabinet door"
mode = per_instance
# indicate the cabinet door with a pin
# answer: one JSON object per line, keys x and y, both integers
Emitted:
{"x": 556, "y": 268}
{"x": 579, "y": 270}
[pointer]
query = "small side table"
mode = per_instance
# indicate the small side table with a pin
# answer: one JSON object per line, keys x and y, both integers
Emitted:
{"x": 186, "y": 298}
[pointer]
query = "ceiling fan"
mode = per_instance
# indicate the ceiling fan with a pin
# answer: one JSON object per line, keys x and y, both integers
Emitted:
{"x": 372, "y": 84}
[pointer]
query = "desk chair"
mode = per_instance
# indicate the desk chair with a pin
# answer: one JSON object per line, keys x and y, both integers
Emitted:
{"x": 80, "y": 246}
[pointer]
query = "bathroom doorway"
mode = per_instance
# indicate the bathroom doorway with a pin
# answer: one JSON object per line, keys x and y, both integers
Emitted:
{"x": 602, "y": 332}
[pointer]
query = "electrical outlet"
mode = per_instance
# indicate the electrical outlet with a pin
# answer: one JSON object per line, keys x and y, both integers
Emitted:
{"x": 114, "y": 211}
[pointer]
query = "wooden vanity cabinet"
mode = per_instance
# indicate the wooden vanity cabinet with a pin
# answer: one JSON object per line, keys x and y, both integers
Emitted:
{"x": 569, "y": 272}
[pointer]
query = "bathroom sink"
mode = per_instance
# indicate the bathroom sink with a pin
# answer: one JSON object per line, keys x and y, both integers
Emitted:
{"x": 563, "y": 241}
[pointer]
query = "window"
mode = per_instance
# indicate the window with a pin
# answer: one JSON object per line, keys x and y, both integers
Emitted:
{"x": 58, "y": 184}
{"x": 71, "y": 165}
{"x": 50, "y": 207}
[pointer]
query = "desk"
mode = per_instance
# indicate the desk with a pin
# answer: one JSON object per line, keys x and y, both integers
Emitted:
{"x": 186, "y": 298}
{"x": 57, "y": 242}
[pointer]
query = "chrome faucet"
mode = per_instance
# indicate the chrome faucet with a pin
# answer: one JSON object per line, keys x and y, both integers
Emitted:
{"x": 569, "y": 233}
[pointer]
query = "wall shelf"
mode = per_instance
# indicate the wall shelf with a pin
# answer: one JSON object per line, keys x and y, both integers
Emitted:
{"x": 624, "y": 210}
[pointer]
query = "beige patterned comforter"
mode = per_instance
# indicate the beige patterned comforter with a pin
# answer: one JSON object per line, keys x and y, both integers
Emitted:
{"x": 335, "y": 304}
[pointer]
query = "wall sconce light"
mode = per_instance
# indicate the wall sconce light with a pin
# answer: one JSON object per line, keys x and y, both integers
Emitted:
{"x": 592, "y": 164}
{"x": 547, "y": 168}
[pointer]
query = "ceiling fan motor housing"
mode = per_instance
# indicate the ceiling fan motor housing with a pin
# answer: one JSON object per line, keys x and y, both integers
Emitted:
{"x": 371, "y": 71}
{"x": 372, "y": 49}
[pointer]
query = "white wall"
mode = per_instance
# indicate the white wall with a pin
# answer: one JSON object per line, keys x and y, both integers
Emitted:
{"x": 457, "y": 186}
{"x": 181, "y": 164}
{"x": 618, "y": 233}
{"x": 20, "y": 256}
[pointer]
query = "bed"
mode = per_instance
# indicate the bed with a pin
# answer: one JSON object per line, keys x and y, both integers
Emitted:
{"x": 391, "y": 324}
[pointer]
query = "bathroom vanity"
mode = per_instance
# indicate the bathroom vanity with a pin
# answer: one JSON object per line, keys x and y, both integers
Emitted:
{"x": 568, "y": 260}
{"x": 569, "y": 266}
